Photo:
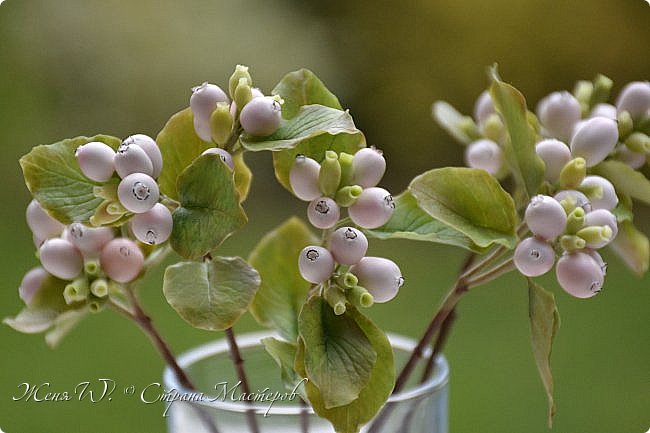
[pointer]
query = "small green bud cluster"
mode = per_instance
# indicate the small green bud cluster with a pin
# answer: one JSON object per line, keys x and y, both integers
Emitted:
{"x": 88, "y": 259}
{"x": 572, "y": 224}
{"x": 343, "y": 181}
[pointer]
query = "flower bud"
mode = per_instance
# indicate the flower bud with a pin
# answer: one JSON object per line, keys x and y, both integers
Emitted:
{"x": 223, "y": 154}
{"x": 635, "y": 99}
{"x": 31, "y": 284}
{"x": 360, "y": 297}
{"x": 573, "y": 173}
{"x": 323, "y": 213}
{"x": 575, "y": 221}
{"x": 88, "y": 240}
{"x": 571, "y": 199}
{"x": 221, "y": 122}
{"x": 154, "y": 226}
{"x": 633, "y": 159}
{"x": 558, "y": 113}
{"x": 368, "y": 167}
{"x": 131, "y": 158}
{"x": 243, "y": 93}
{"x": 602, "y": 88}
{"x": 261, "y": 116}
{"x": 625, "y": 124}
{"x": 61, "y": 259}
{"x": 638, "y": 142}
{"x": 484, "y": 154}
{"x": 76, "y": 291}
{"x": 138, "y": 192}
{"x": 329, "y": 177}
{"x": 555, "y": 155}
{"x": 240, "y": 72}
{"x": 595, "y": 139}
{"x": 600, "y": 218}
{"x": 303, "y": 178}
{"x": 99, "y": 288}
{"x": 316, "y": 264}
{"x": 345, "y": 160}
{"x": 92, "y": 267}
{"x": 379, "y": 276}
{"x": 347, "y": 280}
{"x": 348, "y": 245}
{"x": 493, "y": 128}
{"x": 96, "y": 161}
{"x": 571, "y": 243}
{"x": 579, "y": 275}
{"x": 604, "y": 110}
{"x": 42, "y": 225}
{"x": 335, "y": 297}
{"x": 373, "y": 208}
{"x": 534, "y": 257}
{"x": 545, "y": 217}
{"x": 121, "y": 260}
{"x": 483, "y": 107}
{"x": 150, "y": 147}
{"x": 600, "y": 191}
{"x": 348, "y": 195}
{"x": 595, "y": 236}
{"x": 204, "y": 100}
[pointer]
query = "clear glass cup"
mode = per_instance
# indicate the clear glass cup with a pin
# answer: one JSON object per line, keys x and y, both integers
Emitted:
{"x": 419, "y": 408}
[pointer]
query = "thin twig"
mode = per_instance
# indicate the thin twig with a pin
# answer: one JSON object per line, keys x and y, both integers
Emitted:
{"x": 501, "y": 269}
{"x": 438, "y": 344}
{"x": 237, "y": 360}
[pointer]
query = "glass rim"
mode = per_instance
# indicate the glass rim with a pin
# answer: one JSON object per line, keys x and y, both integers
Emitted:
{"x": 438, "y": 379}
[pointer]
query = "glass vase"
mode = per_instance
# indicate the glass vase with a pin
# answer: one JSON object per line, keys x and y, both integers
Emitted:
{"x": 214, "y": 407}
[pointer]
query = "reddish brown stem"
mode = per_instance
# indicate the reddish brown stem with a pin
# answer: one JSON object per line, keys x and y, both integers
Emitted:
{"x": 237, "y": 360}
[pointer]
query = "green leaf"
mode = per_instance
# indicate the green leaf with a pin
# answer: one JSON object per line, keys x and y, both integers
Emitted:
{"x": 632, "y": 247}
{"x": 32, "y": 320}
{"x": 311, "y": 121}
{"x": 283, "y": 354}
{"x": 339, "y": 357}
{"x": 470, "y": 201}
{"x": 410, "y": 222}
{"x": 211, "y": 295}
{"x": 179, "y": 146}
{"x": 209, "y": 209}
{"x": 63, "y": 325}
{"x": 300, "y": 88}
{"x": 451, "y": 121}
{"x": 315, "y": 148}
{"x": 526, "y": 167}
{"x": 54, "y": 178}
{"x": 626, "y": 180}
{"x": 544, "y": 323}
{"x": 350, "y": 418}
{"x": 283, "y": 291}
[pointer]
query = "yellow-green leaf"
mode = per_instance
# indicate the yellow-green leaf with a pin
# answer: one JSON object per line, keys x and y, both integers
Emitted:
{"x": 300, "y": 88}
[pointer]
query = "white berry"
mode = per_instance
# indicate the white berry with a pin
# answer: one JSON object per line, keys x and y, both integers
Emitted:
{"x": 96, "y": 161}
{"x": 558, "y": 113}
{"x": 594, "y": 139}
{"x": 150, "y": 147}
{"x": 555, "y": 155}
{"x": 261, "y": 116}
{"x": 373, "y": 208}
{"x": 484, "y": 154}
{"x": 31, "y": 283}
{"x": 579, "y": 275}
{"x": 573, "y": 199}
{"x": 303, "y": 178}
{"x": 316, "y": 264}
{"x": 545, "y": 217}
{"x": 348, "y": 245}
{"x": 121, "y": 260}
{"x": 89, "y": 240}
{"x": 42, "y": 225}
{"x": 323, "y": 213}
{"x": 379, "y": 276}
{"x": 606, "y": 197}
{"x": 604, "y": 110}
{"x": 534, "y": 257}
{"x": 204, "y": 100}
{"x": 131, "y": 158}
{"x": 61, "y": 258}
{"x": 635, "y": 99}
{"x": 633, "y": 159}
{"x": 483, "y": 107}
{"x": 368, "y": 167}
{"x": 154, "y": 226}
{"x": 223, "y": 154}
{"x": 602, "y": 217}
{"x": 138, "y": 192}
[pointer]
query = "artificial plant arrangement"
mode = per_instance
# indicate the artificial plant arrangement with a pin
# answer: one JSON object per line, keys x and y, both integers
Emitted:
{"x": 540, "y": 191}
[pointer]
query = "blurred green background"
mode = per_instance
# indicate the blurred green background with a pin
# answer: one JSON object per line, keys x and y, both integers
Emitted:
{"x": 83, "y": 67}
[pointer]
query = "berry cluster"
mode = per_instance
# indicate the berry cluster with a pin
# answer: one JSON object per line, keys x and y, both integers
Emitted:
{"x": 346, "y": 181}
{"x": 138, "y": 162}
{"x": 571, "y": 224}
{"x": 89, "y": 258}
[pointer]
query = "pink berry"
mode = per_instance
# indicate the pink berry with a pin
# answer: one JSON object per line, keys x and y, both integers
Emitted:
{"x": 555, "y": 155}
{"x": 31, "y": 283}
{"x": 223, "y": 154}
{"x": 601, "y": 217}
{"x": 131, "y": 158}
{"x": 204, "y": 99}
{"x": 558, "y": 113}
{"x": 604, "y": 110}
{"x": 303, "y": 178}
{"x": 61, "y": 258}
{"x": 573, "y": 199}
{"x": 534, "y": 257}
{"x": 323, "y": 213}
{"x": 545, "y": 217}
{"x": 380, "y": 276}
{"x": 261, "y": 116}
{"x": 635, "y": 99}
{"x": 348, "y": 245}
{"x": 96, "y": 161}
{"x": 594, "y": 140}
{"x": 606, "y": 197}
{"x": 635, "y": 160}
{"x": 150, "y": 147}
{"x": 484, "y": 154}
{"x": 579, "y": 274}
{"x": 42, "y": 225}
{"x": 121, "y": 260}
{"x": 154, "y": 226}
{"x": 373, "y": 208}
{"x": 368, "y": 167}
{"x": 316, "y": 264}
{"x": 88, "y": 240}
{"x": 138, "y": 192}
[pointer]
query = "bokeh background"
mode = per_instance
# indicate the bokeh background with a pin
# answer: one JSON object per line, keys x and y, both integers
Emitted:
{"x": 80, "y": 67}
